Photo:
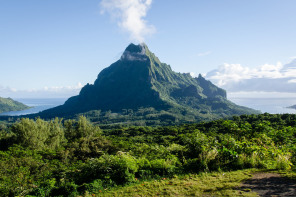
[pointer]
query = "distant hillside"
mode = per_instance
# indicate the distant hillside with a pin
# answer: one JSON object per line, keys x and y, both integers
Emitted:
{"x": 138, "y": 80}
{"x": 292, "y": 107}
{"x": 8, "y": 104}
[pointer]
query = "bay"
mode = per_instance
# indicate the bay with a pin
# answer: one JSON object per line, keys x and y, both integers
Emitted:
{"x": 36, "y": 104}
{"x": 268, "y": 105}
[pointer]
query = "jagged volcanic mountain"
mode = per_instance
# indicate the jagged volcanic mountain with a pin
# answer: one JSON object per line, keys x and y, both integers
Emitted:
{"x": 139, "y": 80}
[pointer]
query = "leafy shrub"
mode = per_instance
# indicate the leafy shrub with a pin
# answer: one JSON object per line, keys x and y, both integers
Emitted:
{"x": 21, "y": 171}
{"x": 283, "y": 162}
{"x": 95, "y": 186}
{"x": 90, "y": 147}
{"x": 120, "y": 168}
{"x": 166, "y": 166}
{"x": 82, "y": 128}
{"x": 39, "y": 134}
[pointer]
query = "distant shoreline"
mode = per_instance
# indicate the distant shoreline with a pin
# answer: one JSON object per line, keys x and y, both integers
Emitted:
{"x": 292, "y": 107}
{"x": 36, "y": 105}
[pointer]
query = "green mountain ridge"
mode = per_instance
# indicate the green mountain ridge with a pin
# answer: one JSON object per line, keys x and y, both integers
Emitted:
{"x": 8, "y": 104}
{"x": 139, "y": 80}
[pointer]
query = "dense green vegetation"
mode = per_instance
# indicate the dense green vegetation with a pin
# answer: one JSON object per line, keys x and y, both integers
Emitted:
{"x": 147, "y": 116}
{"x": 75, "y": 157}
{"x": 140, "y": 81}
{"x": 8, "y": 104}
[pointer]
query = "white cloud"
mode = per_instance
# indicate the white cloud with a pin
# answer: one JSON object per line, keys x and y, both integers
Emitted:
{"x": 229, "y": 72}
{"x": 130, "y": 15}
{"x": 236, "y": 72}
{"x": 6, "y": 89}
{"x": 45, "y": 92}
{"x": 292, "y": 81}
{"x": 267, "y": 77}
{"x": 63, "y": 88}
{"x": 204, "y": 54}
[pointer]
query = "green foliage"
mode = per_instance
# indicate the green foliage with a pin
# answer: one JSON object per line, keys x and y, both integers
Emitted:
{"x": 119, "y": 168}
{"x": 80, "y": 129}
{"x": 89, "y": 147}
{"x": 39, "y": 134}
{"x": 21, "y": 171}
{"x": 75, "y": 157}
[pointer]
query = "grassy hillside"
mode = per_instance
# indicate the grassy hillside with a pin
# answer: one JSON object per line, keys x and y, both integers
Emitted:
{"x": 8, "y": 104}
{"x": 75, "y": 157}
{"x": 203, "y": 184}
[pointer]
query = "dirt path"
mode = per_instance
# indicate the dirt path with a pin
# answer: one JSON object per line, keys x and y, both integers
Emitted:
{"x": 270, "y": 184}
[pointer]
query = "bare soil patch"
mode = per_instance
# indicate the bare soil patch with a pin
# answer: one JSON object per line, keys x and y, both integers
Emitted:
{"x": 270, "y": 184}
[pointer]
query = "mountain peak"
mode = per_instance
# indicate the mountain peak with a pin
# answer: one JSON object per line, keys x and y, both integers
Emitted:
{"x": 132, "y": 48}
{"x": 140, "y": 80}
{"x": 135, "y": 52}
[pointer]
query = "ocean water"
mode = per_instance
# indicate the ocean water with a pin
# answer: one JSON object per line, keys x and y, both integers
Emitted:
{"x": 269, "y": 105}
{"x": 37, "y": 105}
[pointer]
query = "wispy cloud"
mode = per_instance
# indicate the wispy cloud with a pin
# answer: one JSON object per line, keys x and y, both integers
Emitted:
{"x": 130, "y": 16}
{"x": 6, "y": 89}
{"x": 266, "y": 78}
{"x": 46, "y": 92}
{"x": 236, "y": 72}
{"x": 292, "y": 81}
{"x": 63, "y": 88}
{"x": 204, "y": 53}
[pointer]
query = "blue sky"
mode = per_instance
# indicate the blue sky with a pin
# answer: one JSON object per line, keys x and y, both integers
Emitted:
{"x": 60, "y": 45}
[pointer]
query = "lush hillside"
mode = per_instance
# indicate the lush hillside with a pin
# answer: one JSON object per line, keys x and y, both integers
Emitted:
{"x": 8, "y": 104}
{"x": 140, "y": 81}
{"x": 74, "y": 157}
